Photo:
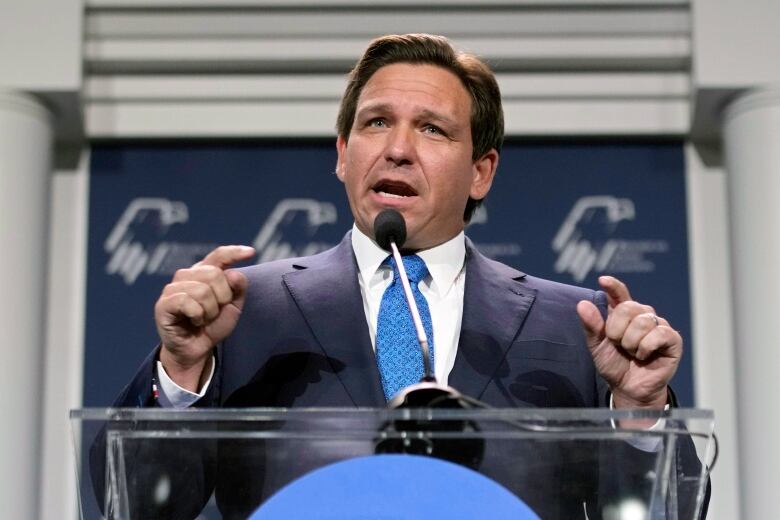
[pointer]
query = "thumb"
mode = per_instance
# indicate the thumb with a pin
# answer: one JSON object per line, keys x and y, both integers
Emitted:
{"x": 238, "y": 283}
{"x": 592, "y": 323}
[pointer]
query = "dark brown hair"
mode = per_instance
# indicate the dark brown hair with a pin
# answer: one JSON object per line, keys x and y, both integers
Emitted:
{"x": 487, "y": 115}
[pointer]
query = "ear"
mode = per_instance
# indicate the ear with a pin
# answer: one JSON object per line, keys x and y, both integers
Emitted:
{"x": 341, "y": 151}
{"x": 484, "y": 170}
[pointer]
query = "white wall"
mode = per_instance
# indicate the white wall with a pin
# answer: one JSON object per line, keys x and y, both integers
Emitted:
{"x": 736, "y": 42}
{"x": 40, "y": 44}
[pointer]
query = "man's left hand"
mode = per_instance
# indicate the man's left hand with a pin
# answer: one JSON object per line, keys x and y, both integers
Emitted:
{"x": 635, "y": 351}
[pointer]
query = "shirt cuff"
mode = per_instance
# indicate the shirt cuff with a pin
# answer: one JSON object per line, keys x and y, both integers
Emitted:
{"x": 171, "y": 395}
{"x": 650, "y": 443}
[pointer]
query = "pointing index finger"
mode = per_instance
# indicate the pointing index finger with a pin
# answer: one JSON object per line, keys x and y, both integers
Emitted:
{"x": 617, "y": 291}
{"x": 225, "y": 256}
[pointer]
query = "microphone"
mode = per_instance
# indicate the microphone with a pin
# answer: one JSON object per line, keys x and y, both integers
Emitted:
{"x": 390, "y": 234}
{"x": 421, "y": 436}
{"x": 389, "y": 226}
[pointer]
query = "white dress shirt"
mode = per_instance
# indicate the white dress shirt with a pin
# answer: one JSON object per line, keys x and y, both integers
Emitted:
{"x": 442, "y": 288}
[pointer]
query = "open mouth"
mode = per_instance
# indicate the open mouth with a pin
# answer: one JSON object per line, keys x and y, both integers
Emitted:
{"x": 394, "y": 190}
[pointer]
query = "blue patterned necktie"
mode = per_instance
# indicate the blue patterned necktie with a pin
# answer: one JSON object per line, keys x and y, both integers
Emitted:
{"x": 397, "y": 350}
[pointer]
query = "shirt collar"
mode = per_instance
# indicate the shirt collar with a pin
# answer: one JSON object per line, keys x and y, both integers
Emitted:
{"x": 444, "y": 262}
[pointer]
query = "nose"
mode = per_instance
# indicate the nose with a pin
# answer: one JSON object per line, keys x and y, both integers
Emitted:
{"x": 400, "y": 149}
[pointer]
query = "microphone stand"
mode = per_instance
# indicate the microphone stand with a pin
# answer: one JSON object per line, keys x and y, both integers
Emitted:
{"x": 422, "y": 338}
{"x": 426, "y": 393}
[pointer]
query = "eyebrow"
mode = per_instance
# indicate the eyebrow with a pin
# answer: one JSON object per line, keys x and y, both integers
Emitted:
{"x": 435, "y": 116}
{"x": 423, "y": 114}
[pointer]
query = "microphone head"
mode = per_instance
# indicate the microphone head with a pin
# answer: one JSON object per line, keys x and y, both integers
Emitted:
{"x": 389, "y": 226}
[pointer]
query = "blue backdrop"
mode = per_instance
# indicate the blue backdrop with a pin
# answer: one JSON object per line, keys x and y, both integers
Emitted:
{"x": 568, "y": 212}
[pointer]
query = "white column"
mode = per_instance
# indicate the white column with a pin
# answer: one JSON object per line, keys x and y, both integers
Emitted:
{"x": 25, "y": 163}
{"x": 751, "y": 135}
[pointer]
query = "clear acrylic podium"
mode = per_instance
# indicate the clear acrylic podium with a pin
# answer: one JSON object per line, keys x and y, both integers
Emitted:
{"x": 564, "y": 463}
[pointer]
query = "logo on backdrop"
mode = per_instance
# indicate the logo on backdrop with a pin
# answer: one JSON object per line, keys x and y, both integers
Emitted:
{"x": 291, "y": 229}
{"x": 494, "y": 250}
{"x": 137, "y": 243}
{"x": 589, "y": 240}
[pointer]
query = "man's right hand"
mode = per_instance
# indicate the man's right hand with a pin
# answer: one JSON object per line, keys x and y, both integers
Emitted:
{"x": 197, "y": 310}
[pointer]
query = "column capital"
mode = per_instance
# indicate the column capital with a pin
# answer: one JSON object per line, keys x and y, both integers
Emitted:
{"x": 22, "y": 102}
{"x": 752, "y": 99}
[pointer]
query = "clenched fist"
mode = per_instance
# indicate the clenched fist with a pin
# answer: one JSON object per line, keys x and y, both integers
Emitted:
{"x": 198, "y": 309}
{"x": 635, "y": 351}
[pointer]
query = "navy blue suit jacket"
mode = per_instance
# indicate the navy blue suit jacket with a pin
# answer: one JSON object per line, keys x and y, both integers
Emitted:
{"x": 303, "y": 340}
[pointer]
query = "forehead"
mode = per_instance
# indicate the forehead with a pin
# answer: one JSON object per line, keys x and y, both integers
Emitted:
{"x": 416, "y": 83}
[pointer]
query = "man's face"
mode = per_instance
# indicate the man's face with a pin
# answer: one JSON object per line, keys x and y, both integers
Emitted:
{"x": 410, "y": 150}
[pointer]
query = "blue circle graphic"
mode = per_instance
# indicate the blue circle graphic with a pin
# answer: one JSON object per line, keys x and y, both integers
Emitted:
{"x": 385, "y": 487}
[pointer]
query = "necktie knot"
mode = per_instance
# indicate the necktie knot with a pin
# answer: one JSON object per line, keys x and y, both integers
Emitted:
{"x": 415, "y": 267}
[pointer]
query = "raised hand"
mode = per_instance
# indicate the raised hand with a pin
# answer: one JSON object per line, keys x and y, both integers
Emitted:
{"x": 635, "y": 351}
{"x": 198, "y": 309}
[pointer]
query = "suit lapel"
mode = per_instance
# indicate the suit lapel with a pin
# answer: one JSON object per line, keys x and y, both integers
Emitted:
{"x": 495, "y": 305}
{"x": 325, "y": 288}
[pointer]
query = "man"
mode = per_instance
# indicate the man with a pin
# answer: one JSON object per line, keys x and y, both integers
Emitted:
{"x": 419, "y": 131}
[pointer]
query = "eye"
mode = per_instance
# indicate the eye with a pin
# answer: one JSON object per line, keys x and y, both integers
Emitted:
{"x": 377, "y": 122}
{"x": 433, "y": 129}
